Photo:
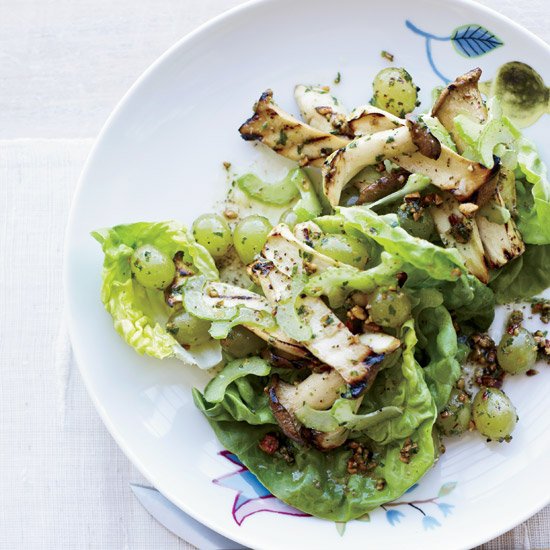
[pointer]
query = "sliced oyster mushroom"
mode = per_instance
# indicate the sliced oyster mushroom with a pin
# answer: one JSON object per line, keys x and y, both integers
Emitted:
{"x": 461, "y": 97}
{"x": 501, "y": 239}
{"x": 460, "y": 231}
{"x": 287, "y": 135}
{"x": 320, "y": 109}
{"x": 319, "y": 391}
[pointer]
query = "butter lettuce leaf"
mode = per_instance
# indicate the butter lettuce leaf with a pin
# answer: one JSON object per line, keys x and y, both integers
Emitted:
{"x": 534, "y": 213}
{"x": 444, "y": 264}
{"x": 318, "y": 482}
{"x": 523, "y": 277}
{"x": 139, "y": 314}
{"x": 402, "y": 386}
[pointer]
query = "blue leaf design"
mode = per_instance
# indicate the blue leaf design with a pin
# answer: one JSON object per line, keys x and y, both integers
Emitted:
{"x": 447, "y": 509}
{"x": 394, "y": 516}
{"x": 474, "y": 40}
{"x": 411, "y": 488}
{"x": 429, "y": 522}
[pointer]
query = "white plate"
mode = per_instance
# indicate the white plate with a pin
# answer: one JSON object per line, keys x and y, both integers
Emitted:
{"x": 160, "y": 157}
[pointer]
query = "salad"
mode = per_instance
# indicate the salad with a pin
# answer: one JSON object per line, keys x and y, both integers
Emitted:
{"x": 343, "y": 309}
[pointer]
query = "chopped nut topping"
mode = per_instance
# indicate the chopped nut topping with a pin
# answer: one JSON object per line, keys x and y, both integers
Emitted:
{"x": 230, "y": 214}
{"x": 361, "y": 460}
{"x": 357, "y": 312}
{"x": 409, "y": 448}
{"x": 543, "y": 345}
{"x": 542, "y": 307}
{"x": 468, "y": 209}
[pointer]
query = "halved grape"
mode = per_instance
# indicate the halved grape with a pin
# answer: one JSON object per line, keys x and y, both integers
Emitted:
{"x": 212, "y": 232}
{"x": 389, "y": 308}
{"x": 394, "y": 91}
{"x": 344, "y": 249}
{"x": 151, "y": 267}
{"x": 454, "y": 419}
{"x": 241, "y": 342}
{"x": 187, "y": 329}
{"x": 494, "y": 414}
{"x": 249, "y": 237}
{"x": 517, "y": 352}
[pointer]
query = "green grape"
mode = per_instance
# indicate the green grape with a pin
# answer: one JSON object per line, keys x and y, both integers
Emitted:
{"x": 151, "y": 267}
{"x": 517, "y": 352}
{"x": 494, "y": 414}
{"x": 423, "y": 228}
{"x": 454, "y": 419}
{"x": 344, "y": 249}
{"x": 394, "y": 91}
{"x": 289, "y": 218}
{"x": 249, "y": 237}
{"x": 389, "y": 308}
{"x": 212, "y": 232}
{"x": 187, "y": 329}
{"x": 241, "y": 342}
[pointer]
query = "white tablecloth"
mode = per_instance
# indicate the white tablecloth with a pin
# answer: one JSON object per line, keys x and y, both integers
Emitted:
{"x": 64, "y": 484}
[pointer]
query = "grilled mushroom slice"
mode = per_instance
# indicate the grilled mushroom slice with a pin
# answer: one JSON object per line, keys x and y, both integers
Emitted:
{"x": 340, "y": 167}
{"x": 383, "y": 186}
{"x": 319, "y": 391}
{"x": 287, "y": 135}
{"x": 320, "y": 109}
{"x": 450, "y": 171}
{"x": 330, "y": 341}
{"x": 501, "y": 239}
{"x": 461, "y": 97}
{"x": 367, "y": 120}
{"x": 428, "y": 145}
{"x": 459, "y": 230}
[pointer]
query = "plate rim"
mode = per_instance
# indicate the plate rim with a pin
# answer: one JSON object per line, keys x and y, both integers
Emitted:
{"x": 66, "y": 271}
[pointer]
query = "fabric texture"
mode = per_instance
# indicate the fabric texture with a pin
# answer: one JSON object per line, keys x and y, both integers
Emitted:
{"x": 64, "y": 483}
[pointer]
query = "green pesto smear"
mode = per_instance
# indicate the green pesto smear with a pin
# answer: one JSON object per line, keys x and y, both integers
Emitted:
{"x": 522, "y": 93}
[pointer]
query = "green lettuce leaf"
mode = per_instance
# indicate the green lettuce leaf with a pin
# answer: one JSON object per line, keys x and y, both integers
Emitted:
{"x": 139, "y": 314}
{"x": 244, "y": 402}
{"x": 534, "y": 214}
{"x": 401, "y": 386}
{"x": 443, "y": 369}
{"x": 318, "y": 482}
{"x": 444, "y": 264}
{"x": 523, "y": 277}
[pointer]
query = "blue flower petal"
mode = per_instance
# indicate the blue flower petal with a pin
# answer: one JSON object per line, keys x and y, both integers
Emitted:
{"x": 394, "y": 516}
{"x": 429, "y": 522}
{"x": 447, "y": 509}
